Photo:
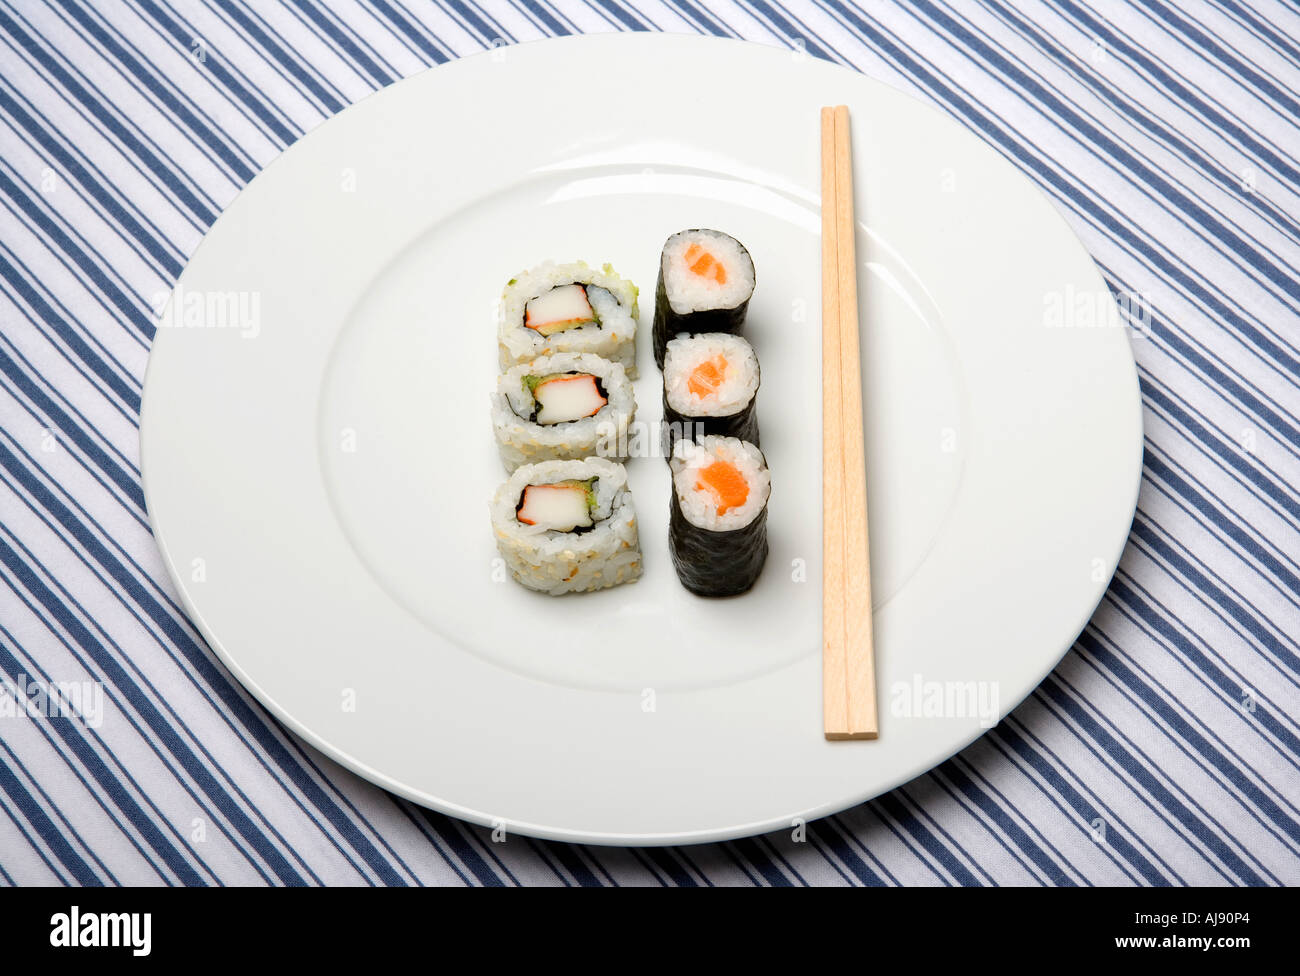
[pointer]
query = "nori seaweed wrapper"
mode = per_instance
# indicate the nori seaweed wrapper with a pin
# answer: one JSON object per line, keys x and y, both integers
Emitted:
{"x": 743, "y": 424}
{"x": 668, "y": 324}
{"x": 713, "y": 563}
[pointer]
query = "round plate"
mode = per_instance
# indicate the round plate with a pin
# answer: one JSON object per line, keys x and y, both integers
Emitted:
{"x": 318, "y": 458}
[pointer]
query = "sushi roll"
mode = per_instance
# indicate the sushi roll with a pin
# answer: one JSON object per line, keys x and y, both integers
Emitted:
{"x": 710, "y": 385}
{"x": 568, "y": 526}
{"x": 568, "y": 308}
{"x": 560, "y": 407}
{"x": 705, "y": 282}
{"x": 717, "y": 529}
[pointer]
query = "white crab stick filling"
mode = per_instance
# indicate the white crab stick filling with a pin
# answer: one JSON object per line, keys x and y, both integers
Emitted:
{"x": 562, "y": 508}
{"x": 565, "y": 307}
{"x": 566, "y": 398}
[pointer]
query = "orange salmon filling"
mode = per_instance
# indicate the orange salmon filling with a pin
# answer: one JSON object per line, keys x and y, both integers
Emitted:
{"x": 707, "y": 377}
{"x": 727, "y": 485}
{"x": 701, "y": 262}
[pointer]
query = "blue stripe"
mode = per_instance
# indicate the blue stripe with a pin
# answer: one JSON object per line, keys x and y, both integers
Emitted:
{"x": 1184, "y": 93}
{"x": 72, "y": 167}
{"x": 79, "y": 870}
{"x": 1229, "y": 687}
{"x": 71, "y": 429}
{"x": 1243, "y": 69}
{"x": 830, "y": 833}
{"x": 619, "y": 14}
{"x": 106, "y": 120}
{"x": 1208, "y": 509}
{"x": 1135, "y": 112}
{"x": 663, "y": 860}
{"x": 470, "y": 18}
{"x": 237, "y": 164}
{"x": 215, "y": 64}
{"x": 31, "y": 281}
{"x": 93, "y": 269}
{"x": 550, "y": 23}
{"x": 554, "y": 22}
{"x": 232, "y": 702}
{"x": 99, "y": 867}
{"x": 1224, "y": 524}
{"x": 344, "y": 43}
{"x": 1262, "y": 29}
{"x": 1200, "y": 215}
{"x": 270, "y": 42}
{"x": 430, "y": 50}
{"x": 1056, "y": 875}
{"x": 939, "y": 851}
{"x": 113, "y": 788}
{"x": 1272, "y": 414}
{"x": 113, "y": 647}
{"x": 102, "y": 798}
{"x": 1190, "y": 742}
{"x": 78, "y": 346}
{"x": 1249, "y": 469}
{"x": 166, "y": 734}
{"x": 1076, "y": 124}
{"x": 1210, "y": 835}
{"x": 1087, "y": 812}
{"x": 1207, "y": 585}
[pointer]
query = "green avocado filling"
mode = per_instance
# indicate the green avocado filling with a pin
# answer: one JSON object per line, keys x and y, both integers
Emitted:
{"x": 533, "y": 381}
{"x": 588, "y": 486}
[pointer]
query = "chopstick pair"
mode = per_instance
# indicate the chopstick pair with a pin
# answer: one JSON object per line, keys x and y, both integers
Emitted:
{"x": 848, "y": 653}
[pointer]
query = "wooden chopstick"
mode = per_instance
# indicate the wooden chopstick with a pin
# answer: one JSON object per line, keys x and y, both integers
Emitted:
{"x": 835, "y": 702}
{"x": 848, "y": 653}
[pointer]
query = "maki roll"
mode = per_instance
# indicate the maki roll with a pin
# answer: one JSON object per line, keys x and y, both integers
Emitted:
{"x": 560, "y": 407}
{"x": 705, "y": 281}
{"x": 717, "y": 528}
{"x": 568, "y": 526}
{"x": 710, "y": 385}
{"x": 568, "y": 308}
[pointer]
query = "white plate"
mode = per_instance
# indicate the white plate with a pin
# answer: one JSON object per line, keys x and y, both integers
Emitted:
{"x": 318, "y": 469}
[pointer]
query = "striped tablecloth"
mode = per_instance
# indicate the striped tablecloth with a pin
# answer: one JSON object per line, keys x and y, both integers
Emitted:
{"x": 1163, "y": 750}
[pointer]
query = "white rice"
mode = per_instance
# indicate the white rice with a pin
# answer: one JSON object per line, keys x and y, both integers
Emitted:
{"x": 604, "y": 434}
{"x": 570, "y": 562}
{"x": 698, "y": 503}
{"x": 740, "y": 381}
{"x": 688, "y": 292}
{"x": 613, "y": 336}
